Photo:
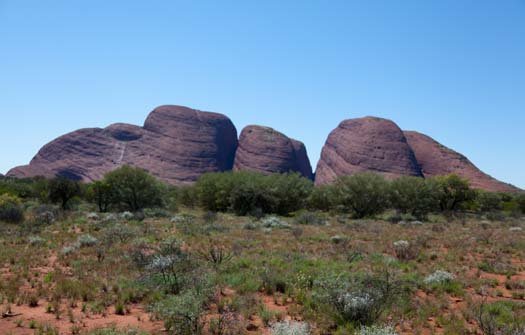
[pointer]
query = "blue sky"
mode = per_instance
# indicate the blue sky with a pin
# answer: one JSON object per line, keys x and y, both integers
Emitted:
{"x": 453, "y": 69}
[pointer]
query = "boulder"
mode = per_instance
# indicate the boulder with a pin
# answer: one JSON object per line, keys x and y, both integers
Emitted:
{"x": 368, "y": 144}
{"x": 266, "y": 150}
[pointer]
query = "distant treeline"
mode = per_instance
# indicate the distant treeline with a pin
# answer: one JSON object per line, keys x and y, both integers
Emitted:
{"x": 250, "y": 193}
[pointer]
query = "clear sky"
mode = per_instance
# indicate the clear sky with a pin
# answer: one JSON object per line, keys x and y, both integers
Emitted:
{"x": 453, "y": 69}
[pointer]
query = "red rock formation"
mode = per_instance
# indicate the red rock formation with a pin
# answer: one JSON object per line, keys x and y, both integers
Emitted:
{"x": 176, "y": 144}
{"x": 266, "y": 150}
{"x": 436, "y": 159}
{"x": 366, "y": 144}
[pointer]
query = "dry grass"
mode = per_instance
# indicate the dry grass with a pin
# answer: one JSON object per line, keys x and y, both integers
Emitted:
{"x": 264, "y": 274}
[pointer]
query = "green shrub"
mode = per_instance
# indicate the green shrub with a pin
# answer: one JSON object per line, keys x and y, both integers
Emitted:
{"x": 11, "y": 209}
{"x": 360, "y": 300}
{"x": 501, "y": 317}
{"x": 452, "y": 192}
{"x": 101, "y": 193}
{"x": 489, "y": 202}
{"x": 22, "y": 188}
{"x": 45, "y": 214}
{"x": 61, "y": 190}
{"x": 322, "y": 198}
{"x": 412, "y": 195}
{"x": 247, "y": 192}
{"x": 87, "y": 240}
{"x": 169, "y": 267}
{"x": 363, "y": 194}
{"x": 213, "y": 190}
{"x": 520, "y": 201}
{"x": 274, "y": 222}
{"x": 134, "y": 189}
{"x": 182, "y": 314}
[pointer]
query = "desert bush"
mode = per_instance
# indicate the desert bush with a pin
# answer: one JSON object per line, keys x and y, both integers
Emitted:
{"x": 452, "y": 192}
{"x": 273, "y": 280}
{"x": 126, "y": 215}
{"x": 61, "y": 190}
{"x": 501, "y": 317}
{"x": 36, "y": 240}
{"x": 412, "y": 195}
{"x": 227, "y": 323}
{"x": 360, "y": 307}
{"x": 323, "y": 198}
{"x": 309, "y": 218}
{"x": 102, "y": 194}
{"x": 274, "y": 222}
{"x": 215, "y": 254}
{"x": 247, "y": 192}
{"x": 377, "y": 330}
{"x": 363, "y": 194}
{"x": 22, "y": 188}
{"x": 182, "y": 314}
{"x": 360, "y": 300}
{"x": 290, "y": 328}
{"x": 169, "y": 267}
{"x": 156, "y": 213}
{"x": 185, "y": 195}
{"x": 86, "y": 241}
{"x": 488, "y": 201}
{"x": 118, "y": 233}
{"x": 213, "y": 190}
{"x": 11, "y": 209}
{"x": 520, "y": 202}
{"x": 404, "y": 250}
{"x": 134, "y": 188}
{"x": 183, "y": 219}
{"x": 439, "y": 277}
{"x": 69, "y": 249}
{"x": 45, "y": 214}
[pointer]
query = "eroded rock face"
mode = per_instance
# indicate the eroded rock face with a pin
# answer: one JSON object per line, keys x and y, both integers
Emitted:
{"x": 176, "y": 144}
{"x": 366, "y": 144}
{"x": 436, "y": 159}
{"x": 266, "y": 150}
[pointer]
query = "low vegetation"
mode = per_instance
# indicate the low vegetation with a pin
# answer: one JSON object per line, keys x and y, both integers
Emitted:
{"x": 244, "y": 253}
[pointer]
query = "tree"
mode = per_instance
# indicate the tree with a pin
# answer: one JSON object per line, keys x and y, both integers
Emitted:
{"x": 134, "y": 188}
{"x": 213, "y": 190}
{"x": 520, "y": 200}
{"x": 489, "y": 201}
{"x": 62, "y": 190}
{"x": 322, "y": 198}
{"x": 288, "y": 192}
{"x": 452, "y": 192}
{"x": 246, "y": 192}
{"x": 101, "y": 193}
{"x": 365, "y": 194}
{"x": 412, "y": 195}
